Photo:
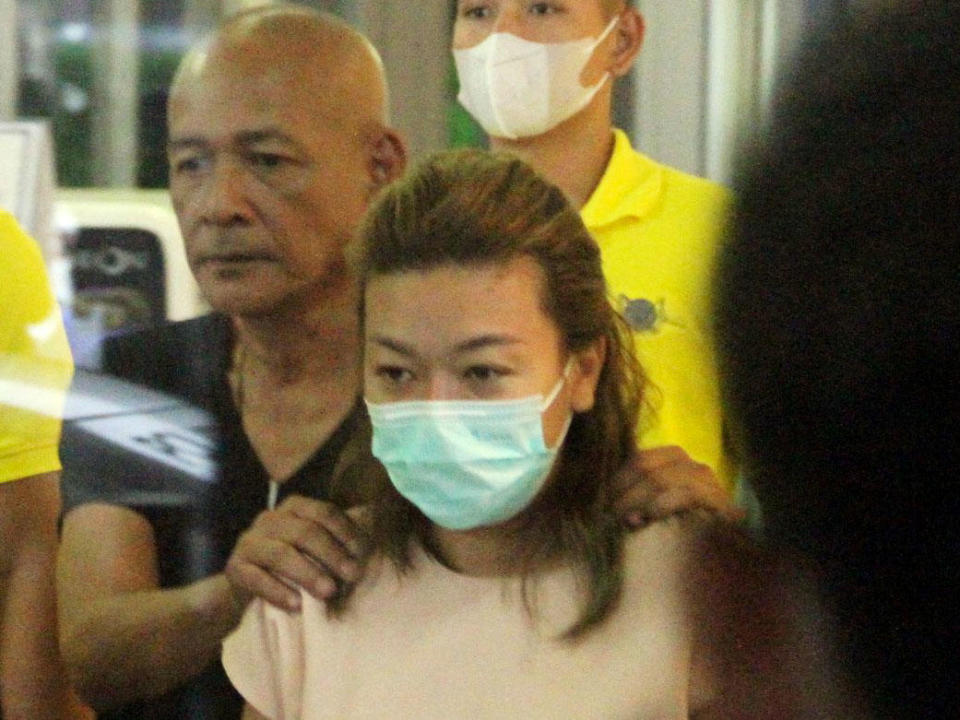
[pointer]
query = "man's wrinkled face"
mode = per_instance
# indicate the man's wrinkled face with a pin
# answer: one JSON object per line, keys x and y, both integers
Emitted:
{"x": 268, "y": 178}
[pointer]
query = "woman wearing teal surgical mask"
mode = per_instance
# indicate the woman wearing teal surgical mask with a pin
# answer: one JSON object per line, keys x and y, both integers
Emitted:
{"x": 504, "y": 397}
{"x": 488, "y": 333}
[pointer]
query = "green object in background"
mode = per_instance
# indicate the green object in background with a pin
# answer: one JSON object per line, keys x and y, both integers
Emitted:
{"x": 463, "y": 131}
{"x": 156, "y": 73}
{"x": 66, "y": 102}
{"x": 70, "y": 113}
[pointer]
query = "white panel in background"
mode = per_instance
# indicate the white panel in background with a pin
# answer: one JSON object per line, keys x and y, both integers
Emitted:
{"x": 671, "y": 83}
{"x": 27, "y": 180}
{"x": 413, "y": 38}
{"x": 9, "y": 73}
{"x": 116, "y": 65}
{"x": 752, "y": 43}
{"x": 735, "y": 77}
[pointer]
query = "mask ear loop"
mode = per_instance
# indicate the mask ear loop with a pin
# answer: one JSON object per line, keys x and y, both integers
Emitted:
{"x": 548, "y": 401}
{"x": 603, "y": 36}
{"x": 596, "y": 43}
{"x": 553, "y": 396}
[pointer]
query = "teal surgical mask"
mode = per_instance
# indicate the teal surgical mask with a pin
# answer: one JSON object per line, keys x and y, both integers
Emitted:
{"x": 466, "y": 463}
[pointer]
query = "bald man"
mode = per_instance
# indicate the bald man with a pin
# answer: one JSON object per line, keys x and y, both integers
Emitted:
{"x": 278, "y": 137}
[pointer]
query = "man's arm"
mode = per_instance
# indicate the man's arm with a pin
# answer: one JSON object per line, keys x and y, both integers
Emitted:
{"x": 122, "y": 637}
{"x": 304, "y": 543}
{"x": 31, "y": 675}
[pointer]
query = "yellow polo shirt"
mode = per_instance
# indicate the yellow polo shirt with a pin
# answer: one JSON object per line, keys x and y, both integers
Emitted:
{"x": 35, "y": 361}
{"x": 658, "y": 230}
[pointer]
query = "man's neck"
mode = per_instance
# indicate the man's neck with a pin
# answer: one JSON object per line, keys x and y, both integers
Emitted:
{"x": 295, "y": 377}
{"x": 573, "y": 155}
{"x": 319, "y": 340}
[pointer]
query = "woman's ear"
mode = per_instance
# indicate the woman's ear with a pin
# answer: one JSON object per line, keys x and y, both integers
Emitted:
{"x": 587, "y": 365}
{"x": 629, "y": 39}
{"x": 388, "y": 157}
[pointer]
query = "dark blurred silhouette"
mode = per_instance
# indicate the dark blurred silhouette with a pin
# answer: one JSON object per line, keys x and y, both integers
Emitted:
{"x": 839, "y": 323}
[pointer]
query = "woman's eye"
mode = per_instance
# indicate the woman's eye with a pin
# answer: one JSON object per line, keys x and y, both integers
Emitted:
{"x": 393, "y": 374}
{"x": 542, "y": 8}
{"x": 475, "y": 11}
{"x": 483, "y": 373}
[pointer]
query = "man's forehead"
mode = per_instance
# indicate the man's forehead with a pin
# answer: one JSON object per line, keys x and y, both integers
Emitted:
{"x": 229, "y": 75}
{"x": 238, "y": 127}
{"x": 256, "y": 98}
{"x": 261, "y": 64}
{"x": 248, "y": 84}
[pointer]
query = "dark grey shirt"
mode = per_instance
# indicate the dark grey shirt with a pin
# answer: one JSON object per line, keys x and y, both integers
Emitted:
{"x": 195, "y": 533}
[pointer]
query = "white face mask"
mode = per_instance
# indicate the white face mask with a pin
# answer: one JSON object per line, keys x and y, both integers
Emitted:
{"x": 516, "y": 88}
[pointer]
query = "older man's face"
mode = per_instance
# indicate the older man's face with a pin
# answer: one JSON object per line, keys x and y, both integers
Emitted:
{"x": 269, "y": 178}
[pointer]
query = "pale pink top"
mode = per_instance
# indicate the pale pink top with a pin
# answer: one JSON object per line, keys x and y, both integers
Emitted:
{"x": 436, "y": 645}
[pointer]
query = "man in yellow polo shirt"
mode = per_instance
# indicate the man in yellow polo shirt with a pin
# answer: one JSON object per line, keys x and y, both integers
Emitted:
{"x": 35, "y": 369}
{"x": 538, "y": 78}
{"x": 658, "y": 230}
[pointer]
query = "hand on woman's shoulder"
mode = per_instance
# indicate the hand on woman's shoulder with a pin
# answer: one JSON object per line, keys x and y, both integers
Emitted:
{"x": 658, "y": 483}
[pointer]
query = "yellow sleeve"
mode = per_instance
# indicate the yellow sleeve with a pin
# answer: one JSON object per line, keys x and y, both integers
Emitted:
{"x": 35, "y": 361}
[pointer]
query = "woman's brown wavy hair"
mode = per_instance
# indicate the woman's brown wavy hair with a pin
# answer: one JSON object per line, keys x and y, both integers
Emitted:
{"x": 472, "y": 208}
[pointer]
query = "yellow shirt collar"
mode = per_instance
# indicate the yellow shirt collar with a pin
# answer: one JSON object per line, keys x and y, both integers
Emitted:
{"x": 629, "y": 187}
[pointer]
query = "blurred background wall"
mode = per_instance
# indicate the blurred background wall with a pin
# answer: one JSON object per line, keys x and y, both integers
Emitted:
{"x": 99, "y": 71}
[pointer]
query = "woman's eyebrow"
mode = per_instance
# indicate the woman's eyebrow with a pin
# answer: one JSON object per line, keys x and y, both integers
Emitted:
{"x": 486, "y": 340}
{"x": 471, "y": 345}
{"x": 397, "y": 346}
